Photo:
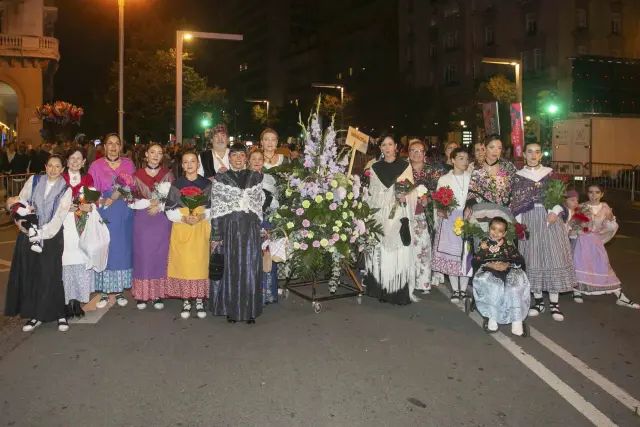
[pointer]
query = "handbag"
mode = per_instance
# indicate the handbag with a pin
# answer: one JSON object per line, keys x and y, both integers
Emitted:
{"x": 216, "y": 266}
{"x": 94, "y": 241}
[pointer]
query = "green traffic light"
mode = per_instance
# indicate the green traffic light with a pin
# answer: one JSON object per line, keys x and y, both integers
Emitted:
{"x": 205, "y": 123}
{"x": 552, "y": 108}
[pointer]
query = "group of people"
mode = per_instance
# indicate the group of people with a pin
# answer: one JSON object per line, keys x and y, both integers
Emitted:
{"x": 203, "y": 237}
{"x": 561, "y": 248}
{"x": 197, "y": 237}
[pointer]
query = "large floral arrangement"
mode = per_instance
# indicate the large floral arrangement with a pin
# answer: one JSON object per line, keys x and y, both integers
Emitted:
{"x": 321, "y": 209}
{"x": 60, "y": 112}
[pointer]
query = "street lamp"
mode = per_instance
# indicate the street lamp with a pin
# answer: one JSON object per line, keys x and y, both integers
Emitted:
{"x": 260, "y": 101}
{"x": 121, "y": 69}
{"x": 517, "y": 66}
{"x": 181, "y": 36}
{"x": 341, "y": 89}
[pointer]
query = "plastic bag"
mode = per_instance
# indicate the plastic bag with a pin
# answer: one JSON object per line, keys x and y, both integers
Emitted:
{"x": 94, "y": 241}
{"x": 279, "y": 249}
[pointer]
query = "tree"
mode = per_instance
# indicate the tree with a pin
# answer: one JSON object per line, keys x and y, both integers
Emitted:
{"x": 501, "y": 89}
{"x": 149, "y": 102}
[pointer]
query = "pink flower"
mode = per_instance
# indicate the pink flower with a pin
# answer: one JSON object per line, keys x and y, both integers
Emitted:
{"x": 352, "y": 239}
{"x": 299, "y": 211}
{"x": 335, "y": 237}
{"x": 316, "y": 244}
{"x": 304, "y": 246}
{"x": 333, "y": 206}
{"x": 306, "y": 223}
{"x": 305, "y": 233}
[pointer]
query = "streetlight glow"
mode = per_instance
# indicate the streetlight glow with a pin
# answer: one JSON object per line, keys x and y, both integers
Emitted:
{"x": 187, "y": 37}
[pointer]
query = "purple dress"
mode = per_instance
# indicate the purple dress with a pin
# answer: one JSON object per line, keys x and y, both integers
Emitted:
{"x": 117, "y": 276}
{"x": 151, "y": 234}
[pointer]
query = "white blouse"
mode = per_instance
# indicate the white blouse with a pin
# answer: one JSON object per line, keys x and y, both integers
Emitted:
{"x": 51, "y": 228}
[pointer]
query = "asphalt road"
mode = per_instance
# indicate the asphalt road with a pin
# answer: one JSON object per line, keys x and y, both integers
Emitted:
{"x": 350, "y": 365}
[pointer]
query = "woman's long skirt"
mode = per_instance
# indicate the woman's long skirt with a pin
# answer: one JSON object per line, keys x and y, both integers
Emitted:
{"x": 270, "y": 279}
{"x": 593, "y": 270}
{"x": 504, "y": 302}
{"x": 151, "y": 234}
{"x": 118, "y": 275}
{"x": 78, "y": 281}
{"x": 448, "y": 248}
{"x": 547, "y": 254}
{"x": 35, "y": 289}
{"x": 421, "y": 240}
{"x": 188, "y": 267}
{"x": 238, "y": 294}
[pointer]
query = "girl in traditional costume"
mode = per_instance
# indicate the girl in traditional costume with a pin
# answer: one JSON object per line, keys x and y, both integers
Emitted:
{"x": 151, "y": 230}
{"x": 547, "y": 251}
{"x": 269, "y": 145}
{"x": 35, "y": 290}
{"x": 238, "y": 200}
{"x": 114, "y": 209}
{"x": 500, "y": 286}
{"x": 390, "y": 265}
{"x": 593, "y": 270}
{"x": 448, "y": 247}
{"x": 188, "y": 270}
{"x": 78, "y": 281}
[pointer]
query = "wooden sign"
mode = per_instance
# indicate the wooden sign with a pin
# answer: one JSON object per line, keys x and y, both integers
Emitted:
{"x": 358, "y": 140}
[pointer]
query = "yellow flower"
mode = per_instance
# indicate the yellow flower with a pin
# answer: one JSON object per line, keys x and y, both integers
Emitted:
{"x": 296, "y": 245}
{"x": 288, "y": 192}
{"x": 332, "y": 249}
{"x": 324, "y": 243}
{"x": 306, "y": 204}
{"x": 339, "y": 223}
{"x": 345, "y": 215}
{"x": 350, "y": 196}
{"x": 336, "y": 228}
{"x": 343, "y": 237}
{"x": 329, "y": 195}
{"x": 310, "y": 235}
{"x": 318, "y": 198}
{"x": 334, "y": 183}
{"x": 290, "y": 225}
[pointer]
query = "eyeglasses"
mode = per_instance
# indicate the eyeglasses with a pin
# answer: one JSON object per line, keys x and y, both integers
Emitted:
{"x": 417, "y": 151}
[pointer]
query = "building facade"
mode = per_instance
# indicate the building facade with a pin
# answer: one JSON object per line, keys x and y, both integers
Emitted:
{"x": 29, "y": 57}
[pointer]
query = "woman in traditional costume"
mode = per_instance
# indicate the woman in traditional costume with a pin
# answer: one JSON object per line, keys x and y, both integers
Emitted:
{"x": 593, "y": 270}
{"x": 188, "y": 270}
{"x": 491, "y": 179}
{"x": 35, "y": 290}
{"x": 151, "y": 230}
{"x": 269, "y": 145}
{"x": 448, "y": 247}
{"x": 78, "y": 281}
{"x": 390, "y": 265}
{"x": 423, "y": 174}
{"x": 547, "y": 251}
{"x": 115, "y": 211}
{"x": 255, "y": 163}
{"x": 237, "y": 215}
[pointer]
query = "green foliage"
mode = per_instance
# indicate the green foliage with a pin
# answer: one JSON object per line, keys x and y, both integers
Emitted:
{"x": 554, "y": 193}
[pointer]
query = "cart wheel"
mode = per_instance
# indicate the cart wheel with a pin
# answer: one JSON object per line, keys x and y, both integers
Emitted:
{"x": 317, "y": 307}
{"x": 359, "y": 299}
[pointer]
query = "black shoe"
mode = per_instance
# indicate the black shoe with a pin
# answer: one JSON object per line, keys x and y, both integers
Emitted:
{"x": 77, "y": 309}
{"x": 68, "y": 310}
{"x": 230, "y": 320}
{"x": 251, "y": 321}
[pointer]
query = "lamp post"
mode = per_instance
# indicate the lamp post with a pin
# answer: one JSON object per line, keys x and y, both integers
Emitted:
{"x": 121, "y": 69}
{"x": 260, "y": 101}
{"x": 337, "y": 87}
{"x": 517, "y": 66}
{"x": 181, "y": 36}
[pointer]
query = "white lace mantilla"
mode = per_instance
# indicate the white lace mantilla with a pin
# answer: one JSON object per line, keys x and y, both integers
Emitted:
{"x": 227, "y": 199}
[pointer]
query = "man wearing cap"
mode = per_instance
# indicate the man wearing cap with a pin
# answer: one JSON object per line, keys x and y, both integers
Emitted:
{"x": 216, "y": 159}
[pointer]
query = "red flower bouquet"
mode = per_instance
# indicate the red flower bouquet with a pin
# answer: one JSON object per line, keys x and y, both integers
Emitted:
{"x": 87, "y": 195}
{"x": 521, "y": 231}
{"x": 192, "y": 197}
{"x": 444, "y": 200}
{"x": 579, "y": 223}
{"x": 124, "y": 184}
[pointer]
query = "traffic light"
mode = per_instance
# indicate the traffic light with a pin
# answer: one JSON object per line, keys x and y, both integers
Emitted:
{"x": 552, "y": 108}
{"x": 206, "y": 121}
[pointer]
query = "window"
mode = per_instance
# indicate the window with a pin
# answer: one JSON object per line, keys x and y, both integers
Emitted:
{"x": 450, "y": 40}
{"x": 526, "y": 62}
{"x": 581, "y": 18}
{"x": 433, "y": 50}
{"x": 616, "y": 23}
{"x": 537, "y": 59}
{"x": 450, "y": 73}
{"x": 531, "y": 23}
{"x": 244, "y": 67}
{"x": 489, "y": 37}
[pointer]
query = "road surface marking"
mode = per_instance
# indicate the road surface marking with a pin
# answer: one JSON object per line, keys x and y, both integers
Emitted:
{"x": 590, "y": 412}
{"x": 619, "y": 394}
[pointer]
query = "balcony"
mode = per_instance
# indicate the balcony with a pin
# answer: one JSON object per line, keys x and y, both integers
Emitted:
{"x": 29, "y": 47}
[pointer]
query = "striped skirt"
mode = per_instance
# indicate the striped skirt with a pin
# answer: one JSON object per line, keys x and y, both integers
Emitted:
{"x": 547, "y": 254}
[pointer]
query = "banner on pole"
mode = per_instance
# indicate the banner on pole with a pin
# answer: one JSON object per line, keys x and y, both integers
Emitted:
{"x": 491, "y": 118}
{"x": 517, "y": 129}
{"x": 357, "y": 140}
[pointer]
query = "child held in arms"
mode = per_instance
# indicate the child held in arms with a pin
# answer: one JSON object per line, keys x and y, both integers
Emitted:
{"x": 500, "y": 285}
{"x": 23, "y": 213}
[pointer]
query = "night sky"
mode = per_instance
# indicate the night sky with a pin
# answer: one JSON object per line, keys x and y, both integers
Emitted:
{"x": 88, "y": 34}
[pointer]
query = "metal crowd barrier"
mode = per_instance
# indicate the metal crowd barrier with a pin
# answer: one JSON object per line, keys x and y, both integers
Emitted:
{"x": 10, "y": 186}
{"x": 611, "y": 176}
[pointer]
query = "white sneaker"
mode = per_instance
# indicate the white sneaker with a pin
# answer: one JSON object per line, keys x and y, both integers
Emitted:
{"x": 492, "y": 325}
{"x": 36, "y": 248}
{"x": 577, "y": 298}
{"x": 63, "y": 326}
{"x": 158, "y": 304}
{"x": 31, "y": 325}
{"x": 141, "y": 305}
{"x": 104, "y": 300}
{"x": 556, "y": 314}
{"x": 624, "y": 301}
{"x": 517, "y": 329}
{"x": 121, "y": 300}
{"x": 200, "y": 312}
{"x": 186, "y": 309}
